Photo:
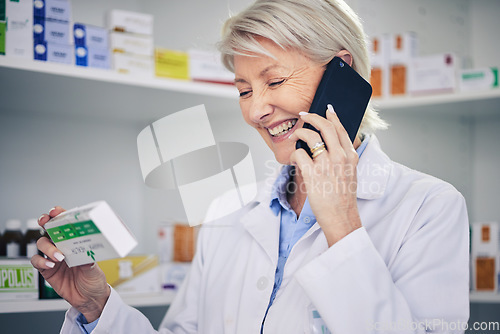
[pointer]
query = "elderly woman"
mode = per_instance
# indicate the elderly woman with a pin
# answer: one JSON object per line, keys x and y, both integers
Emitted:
{"x": 347, "y": 242}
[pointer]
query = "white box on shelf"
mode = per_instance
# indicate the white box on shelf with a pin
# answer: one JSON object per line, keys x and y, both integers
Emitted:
{"x": 92, "y": 57}
{"x": 90, "y": 36}
{"x": 52, "y": 9}
{"x": 132, "y": 22}
{"x": 379, "y": 58}
{"x": 19, "y": 30}
{"x": 172, "y": 274}
{"x": 207, "y": 66}
{"x": 478, "y": 79}
{"x": 90, "y": 233}
{"x": 432, "y": 74}
{"x": 51, "y": 31}
{"x": 132, "y": 64}
{"x": 131, "y": 43}
{"x": 485, "y": 256}
{"x": 56, "y": 53}
{"x": 403, "y": 48}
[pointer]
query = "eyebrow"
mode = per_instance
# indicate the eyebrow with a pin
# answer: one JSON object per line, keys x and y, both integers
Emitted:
{"x": 261, "y": 74}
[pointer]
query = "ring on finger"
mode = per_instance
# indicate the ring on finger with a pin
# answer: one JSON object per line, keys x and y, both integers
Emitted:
{"x": 317, "y": 146}
{"x": 318, "y": 151}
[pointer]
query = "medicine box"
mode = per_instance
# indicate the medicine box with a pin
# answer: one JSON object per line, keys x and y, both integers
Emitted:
{"x": 138, "y": 274}
{"x": 432, "y": 74}
{"x": 19, "y": 29}
{"x": 132, "y": 22}
{"x": 485, "y": 255}
{"x": 90, "y": 36}
{"x": 379, "y": 58}
{"x": 131, "y": 43}
{"x": 56, "y": 53}
{"x": 207, "y": 66}
{"x": 478, "y": 79}
{"x": 51, "y": 31}
{"x": 52, "y": 9}
{"x": 171, "y": 64}
{"x": 126, "y": 63}
{"x": 172, "y": 274}
{"x": 90, "y": 233}
{"x": 92, "y": 57}
{"x": 402, "y": 49}
{"x": 3, "y": 26}
{"x": 18, "y": 280}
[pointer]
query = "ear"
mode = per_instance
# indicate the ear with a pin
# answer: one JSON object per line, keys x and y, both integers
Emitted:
{"x": 346, "y": 56}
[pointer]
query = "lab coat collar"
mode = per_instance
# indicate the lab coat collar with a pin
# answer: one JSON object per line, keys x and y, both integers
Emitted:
{"x": 373, "y": 171}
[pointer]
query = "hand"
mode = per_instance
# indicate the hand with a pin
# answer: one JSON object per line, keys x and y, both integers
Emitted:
{"x": 84, "y": 287}
{"x": 330, "y": 178}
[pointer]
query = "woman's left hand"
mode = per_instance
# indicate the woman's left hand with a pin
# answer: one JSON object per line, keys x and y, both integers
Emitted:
{"x": 330, "y": 178}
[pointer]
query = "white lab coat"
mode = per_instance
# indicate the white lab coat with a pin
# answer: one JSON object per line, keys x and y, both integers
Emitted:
{"x": 405, "y": 270}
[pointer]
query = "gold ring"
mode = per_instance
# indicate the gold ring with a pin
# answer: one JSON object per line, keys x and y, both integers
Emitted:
{"x": 317, "y": 146}
{"x": 318, "y": 151}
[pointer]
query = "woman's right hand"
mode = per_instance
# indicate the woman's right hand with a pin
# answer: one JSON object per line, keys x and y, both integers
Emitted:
{"x": 84, "y": 287}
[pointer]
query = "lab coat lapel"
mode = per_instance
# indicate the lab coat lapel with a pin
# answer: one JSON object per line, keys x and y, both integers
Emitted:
{"x": 264, "y": 227}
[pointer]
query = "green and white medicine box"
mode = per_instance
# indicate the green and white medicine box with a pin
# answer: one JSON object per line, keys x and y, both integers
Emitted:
{"x": 18, "y": 280}
{"x": 3, "y": 27}
{"x": 90, "y": 233}
{"x": 478, "y": 79}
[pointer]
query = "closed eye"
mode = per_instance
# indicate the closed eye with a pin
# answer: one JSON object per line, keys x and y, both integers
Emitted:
{"x": 245, "y": 93}
{"x": 276, "y": 83}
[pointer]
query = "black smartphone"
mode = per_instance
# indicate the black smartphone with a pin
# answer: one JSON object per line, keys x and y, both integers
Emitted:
{"x": 348, "y": 93}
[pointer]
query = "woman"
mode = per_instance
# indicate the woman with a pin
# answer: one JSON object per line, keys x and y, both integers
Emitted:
{"x": 348, "y": 241}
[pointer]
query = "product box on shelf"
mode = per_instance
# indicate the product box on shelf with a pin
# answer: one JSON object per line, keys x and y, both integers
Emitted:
{"x": 90, "y": 36}
{"x": 92, "y": 57}
{"x": 379, "y": 46}
{"x": 172, "y": 274}
{"x": 132, "y": 22}
{"x": 52, "y": 9}
{"x": 485, "y": 256}
{"x": 90, "y": 233}
{"x": 3, "y": 25}
{"x": 137, "y": 274}
{"x": 2, "y": 10}
{"x": 52, "y": 52}
{"x": 207, "y": 66}
{"x": 171, "y": 64}
{"x": 19, "y": 29}
{"x": 51, "y": 31}
{"x": 127, "y": 63}
{"x": 403, "y": 48}
{"x": 432, "y": 74}
{"x": 18, "y": 279}
{"x": 131, "y": 43}
{"x": 478, "y": 79}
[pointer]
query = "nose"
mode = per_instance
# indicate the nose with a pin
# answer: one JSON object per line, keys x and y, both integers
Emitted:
{"x": 261, "y": 108}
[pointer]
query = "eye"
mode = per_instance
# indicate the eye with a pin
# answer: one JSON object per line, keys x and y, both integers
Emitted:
{"x": 245, "y": 93}
{"x": 276, "y": 83}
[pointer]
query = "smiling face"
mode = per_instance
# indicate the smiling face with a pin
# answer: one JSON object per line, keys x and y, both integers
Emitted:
{"x": 274, "y": 91}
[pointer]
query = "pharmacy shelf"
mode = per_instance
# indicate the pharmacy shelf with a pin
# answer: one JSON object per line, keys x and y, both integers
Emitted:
{"x": 14, "y": 306}
{"x": 484, "y": 297}
{"x": 59, "y": 89}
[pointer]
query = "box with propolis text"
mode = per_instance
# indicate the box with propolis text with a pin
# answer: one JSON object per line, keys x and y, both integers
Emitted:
{"x": 18, "y": 280}
{"x": 90, "y": 233}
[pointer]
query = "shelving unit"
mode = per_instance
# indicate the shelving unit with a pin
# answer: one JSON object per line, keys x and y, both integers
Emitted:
{"x": 159, "y": 299}
{"x": 484, "y": 297}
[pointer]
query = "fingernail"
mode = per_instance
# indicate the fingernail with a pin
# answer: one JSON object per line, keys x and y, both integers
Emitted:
{"x": 40, "y": 217}
{"x": 330, "y": 108}
{"x": 50, "y": 264}
{"x": 302, "y": 113}
{"x": 51, "y": 210}
{"x": 59, "y": 256}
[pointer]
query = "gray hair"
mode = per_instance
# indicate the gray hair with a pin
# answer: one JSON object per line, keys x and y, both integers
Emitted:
{"x": 317, "y": 28}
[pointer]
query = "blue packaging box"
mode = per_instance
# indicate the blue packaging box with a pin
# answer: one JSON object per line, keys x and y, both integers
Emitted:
{"x": 57, "y": 53}
{"x": 90, "y": 36}
{"x": 51, "y": 31}
{"x": 92, "y": 57}
{"x": 52, "y": 9}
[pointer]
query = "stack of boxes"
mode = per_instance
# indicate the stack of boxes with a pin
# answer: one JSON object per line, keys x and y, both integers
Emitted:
{"x": 91, "y": 46}
{"x": 52, "y": 38}
{"x": 485, "y": 256}
{"x": 18, "y": 16}
{"x": 131, "y": 42}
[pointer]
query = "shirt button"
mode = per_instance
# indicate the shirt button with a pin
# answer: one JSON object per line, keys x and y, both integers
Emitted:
{"x": 307, "y": 220}
{"x": 262, "y": 283}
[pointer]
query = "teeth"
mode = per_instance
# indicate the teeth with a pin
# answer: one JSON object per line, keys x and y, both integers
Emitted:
{"x": 282, "y": 128}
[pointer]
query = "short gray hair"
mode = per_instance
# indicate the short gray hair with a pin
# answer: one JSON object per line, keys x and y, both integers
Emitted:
{"x": 317, "y": 28}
